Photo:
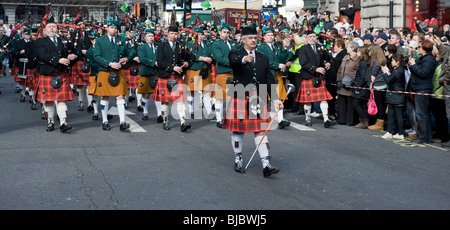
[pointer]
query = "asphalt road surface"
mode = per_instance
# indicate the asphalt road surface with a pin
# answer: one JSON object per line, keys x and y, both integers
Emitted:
{"x": 148, "y": 168}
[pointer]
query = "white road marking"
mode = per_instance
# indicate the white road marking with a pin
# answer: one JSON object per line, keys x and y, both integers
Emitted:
{"x": 134, "y": 127}
{"x": 301, "y": 127}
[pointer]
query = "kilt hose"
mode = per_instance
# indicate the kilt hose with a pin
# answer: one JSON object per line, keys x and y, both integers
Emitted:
{"x": 220, "y": 86}
{"x": 238, "y": 119}
{"x": 92, "y": 86}
{"x": 195, "y": 82}
{"x": 308, "y": 93}
{"x": 144, "y": 84}
{"x": 132, "y": 81}
{"x": 31, "y": 79}
{"x": 163, "y": 95}
{"x": 16, "y": 76}
{"x": 104, "y": 88}
{"x": 77, "y": 76}
{"x": 45, "y": 91}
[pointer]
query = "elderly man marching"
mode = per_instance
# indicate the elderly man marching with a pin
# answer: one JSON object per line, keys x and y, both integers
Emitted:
{"x": 220, "y": 50}
{"x": 198, "y": 77}
{"x": 111, "y": 53}
{"x": 148, "y": 73}
{"x": 80, "y": 79}
{"x": 251, "y": 70}
{"x": 54, "y": 82}
{"x": 171, "y": 65}
{"x": 270, "y": 49}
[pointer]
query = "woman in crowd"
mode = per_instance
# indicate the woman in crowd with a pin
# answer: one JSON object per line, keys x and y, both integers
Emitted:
{"x": 395, "y": 80}
{"x": 345, "y": 101}
{"x": 361, "y": 96}
{"x": 377, "y": 82}
{"x": 437, "y": 103}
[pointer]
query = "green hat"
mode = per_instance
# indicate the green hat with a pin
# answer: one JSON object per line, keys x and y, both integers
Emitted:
{"x": 114, "y": 23}
{"x": 149, "y": 31}
{"x": 199, "y": 30}
{"x": 268, "y": 30}
{"x": 27, "y": 31}
{"x": 225, "y": 26}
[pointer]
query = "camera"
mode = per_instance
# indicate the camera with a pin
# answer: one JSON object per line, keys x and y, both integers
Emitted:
{"x": 444, "y": 39}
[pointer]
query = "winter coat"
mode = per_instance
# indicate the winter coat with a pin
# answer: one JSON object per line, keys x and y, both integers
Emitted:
{"x": 349, "y": 66}
{"x": 422, "y": 73}
{"x": 362, "y": 80}
{"x": 396, "y": 82}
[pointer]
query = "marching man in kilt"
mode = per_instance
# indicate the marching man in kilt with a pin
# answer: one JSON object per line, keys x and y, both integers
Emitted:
{"x": 148, "y": 73}
{"x": 93, "y": 73}
{"x": 111, "y": 53}
{"x": 198, "y": 77}
{"x": 30, "y": 52}
{"x": 251, "y": 70}
{"x": 54, "y": 82}
{"x": 269, "y": 48}
{"x": 80, "y": 44}
{"x": 311, "y": 60}
{"x": 171, "y": 65}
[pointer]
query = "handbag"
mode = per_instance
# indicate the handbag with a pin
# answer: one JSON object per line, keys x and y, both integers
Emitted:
{"x": 371, "y": 105}
{"x": 316, "y": 81}
{"x": 113, "y": 79}
{"x": 153, "y": 81}
{"x": 170, "y": 84}
{"x": 85, "y": 67}
{"x": 56, "y": 82}
{"x": 347, "y": 81}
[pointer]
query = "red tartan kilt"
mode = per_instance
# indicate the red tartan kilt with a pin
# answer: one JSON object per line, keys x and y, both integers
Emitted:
{"x": 36, "y": 81}
{"x": 16, "y": 76}
{"x": 133, "y": 81}
{"x": 308, "y": 93}
{"x": 45, "y": 91}
{"x": 31, "y": 79}
{"x": 162, "y": 94}
{"x": 237, "y": 117}
{"x": 77, "y": 76}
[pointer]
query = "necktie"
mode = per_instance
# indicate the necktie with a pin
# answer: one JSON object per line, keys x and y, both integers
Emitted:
{"x": 253, "y": 61}
{"x": 112, "y": 41}
{"x": 314, "y": 49}
{"x": 173, "y": 46}
{"x": 55, "y": 41}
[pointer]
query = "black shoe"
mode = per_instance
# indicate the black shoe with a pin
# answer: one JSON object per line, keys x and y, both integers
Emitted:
{"x": 65, "y": 127}
{"x": 33, "y": 106}
{"x": 17, "y": 90}
{"x": 185, "y": 127}
{"x": 140, "y": 109}
{"x": 238, "y": 167}
{"x": 106, "y": 126}
{"x": 166, "y": 126}
{"x": 95, "y": 117}
{"x": 328, "y": 123}
{"x": 144, "y": 117}
{"x": 22, "y": 98}
{"x": 124, "y": 126}
{"x": 131, "y": 99}
{"x": 269, "y": 170}
{"x": 308, "y": 123}
{"x": 109, "y": 117}
{"x": 90, "y": 108}
{"x": 27, "y": 92}
{"x": 160, "y": 119}
{"x": 283, "y": 124}
{"x": 81, "y": 107}
{"x": 219, "y": 124}
{"x": 50, "y": 127}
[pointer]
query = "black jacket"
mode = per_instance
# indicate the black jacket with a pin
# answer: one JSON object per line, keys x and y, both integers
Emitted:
{"x": 246, "y": 74}
{"x": 309, "y": 61}
{"x": 422, "y": 73}
{"x": 167, "y": 59}
{"x": 396, "y": 82}
{"x": 79, "y": 43}
{"x": 350, "y": 13}
{"x": 362, "y": 80}
{"x": 335, "y": 63}
{"x": 49, "y": 54}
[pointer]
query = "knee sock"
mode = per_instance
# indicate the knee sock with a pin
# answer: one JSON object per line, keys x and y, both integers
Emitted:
{"x": 94, "y": 103}
{"x": 145, "y": 103}
{"x": 88, "y": 97}
{"x": 61, "y": 110}
{"x": 80, "y": 94}
{"x": 307, "y": 109}
{"x": 190, "y": 100}
{"x": 236, "y": 142}
{"x": 104, "y": 106}
{"x": 121, "y": 109}
{"x": 165, "y": 112}
{"x": 139, "y": 99}
{"x": 324, "y": 108}
{"x": 219, "y": 107}
{"x": 50, "y": 110}
{"x": 280, "y": 115}
{"x": 22, "y": 90}
{"x": 181, "y": 109}
{"x": 158, "y": 108}
{"x": 263, "y": 149}
{"x": 32, "y": 96}
{"x": 207, "y": 103}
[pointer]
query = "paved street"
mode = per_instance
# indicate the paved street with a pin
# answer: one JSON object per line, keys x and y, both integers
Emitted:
{"x": 149, "y": 168}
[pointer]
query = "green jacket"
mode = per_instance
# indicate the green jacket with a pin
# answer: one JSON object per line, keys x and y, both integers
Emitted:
{"x": 202, "y": 52}
{"x": 147, "y": 57}
{"x": 220, "y": 51}
{"x": 265, "y": 49}
{"x": 90, "y": 59}
{"x": 105, "y": 52}
{"x": 437, "y": 88}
